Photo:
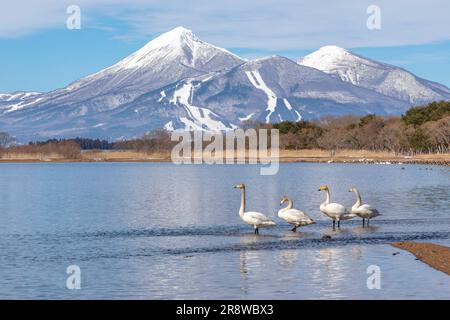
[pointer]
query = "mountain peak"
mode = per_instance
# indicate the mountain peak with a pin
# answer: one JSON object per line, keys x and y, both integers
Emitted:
{"x": 180, "y": 29}
{"x": 326, "y": 54}
{"x": 175, "y": 36}
{"x": 173, "y": 55}
{"x": 173, "y": 39}
{"x": 332, "y": 49}
{"x": 179, "y": 44}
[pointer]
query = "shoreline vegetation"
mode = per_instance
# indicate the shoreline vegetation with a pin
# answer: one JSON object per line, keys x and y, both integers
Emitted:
{"x": 436, "y": 256}
{"x": 286, "y": 156}
{"x": 421, "y": 135}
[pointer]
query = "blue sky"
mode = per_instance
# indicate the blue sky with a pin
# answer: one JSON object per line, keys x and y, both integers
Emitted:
{"x": 38, "y": 52}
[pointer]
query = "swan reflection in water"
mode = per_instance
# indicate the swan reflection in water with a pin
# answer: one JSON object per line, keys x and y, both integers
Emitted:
{"x": 250, "y": 265}
{"x": 287, "y": 258}
{"x": 366, "y": 229}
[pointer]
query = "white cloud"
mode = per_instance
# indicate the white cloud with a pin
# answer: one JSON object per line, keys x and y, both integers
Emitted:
{"x": 262, "y": 24}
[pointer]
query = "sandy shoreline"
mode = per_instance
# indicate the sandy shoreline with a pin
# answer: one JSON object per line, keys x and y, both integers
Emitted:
{"x": 436, "y": 256}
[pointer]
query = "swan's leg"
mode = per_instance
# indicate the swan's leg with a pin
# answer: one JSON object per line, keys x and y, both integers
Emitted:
{"x": 294, "y": 229}
{"x": 334, "y": 224}
{"x": 339, "y": 224}
{"x": 368, "y": 220}
{"x": 257, "y": 230}
{"x": 363, "y": 222}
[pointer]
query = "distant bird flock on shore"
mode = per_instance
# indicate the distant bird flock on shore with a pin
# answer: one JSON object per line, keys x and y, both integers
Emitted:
{"x": 335, "y": 211}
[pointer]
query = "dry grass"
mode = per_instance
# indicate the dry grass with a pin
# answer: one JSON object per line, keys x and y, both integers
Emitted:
{"x": 317, "y": 153}
{"x": 38, "y": 157}
{"x": 357, "y": 156}
{"x": 123, "y": 156}
{"x": 309, "y": 155}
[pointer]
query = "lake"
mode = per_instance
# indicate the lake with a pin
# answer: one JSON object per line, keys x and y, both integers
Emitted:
{"x": 161, "y": 231}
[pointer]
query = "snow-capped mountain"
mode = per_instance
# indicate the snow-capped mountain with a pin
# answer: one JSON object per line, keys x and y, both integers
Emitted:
{"x": 178, "y": 81}
{"x": 386, "y": 79}
{"x": 79, "y": 109}
{"x": 172, "y": 56}
{"x": 271, "y": 89}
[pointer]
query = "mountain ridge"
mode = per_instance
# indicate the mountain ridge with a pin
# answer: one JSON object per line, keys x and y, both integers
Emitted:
{"x": 384, "y": 78}
{"x": 177, "y": 81}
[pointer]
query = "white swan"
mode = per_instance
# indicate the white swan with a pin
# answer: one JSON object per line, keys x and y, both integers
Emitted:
{"x": 293, "y": 216}
{"x": 364, "y": 211}
{"x": 254, "y": 219}
{"x": 335, "y": 211}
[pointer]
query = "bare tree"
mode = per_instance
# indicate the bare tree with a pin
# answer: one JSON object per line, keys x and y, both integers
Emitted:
{"x": 439, "y": 134}
{"x": 6, "y": 139}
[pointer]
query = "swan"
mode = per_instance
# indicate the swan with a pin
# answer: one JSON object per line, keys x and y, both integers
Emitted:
{"x": 335, "y": 211}
{"x": 293, "y": 216}
{"x": 364, "y": 211}
{"x": 252, "y": 218}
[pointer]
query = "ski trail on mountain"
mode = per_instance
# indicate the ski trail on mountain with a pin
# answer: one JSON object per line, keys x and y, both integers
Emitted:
{"x": 198, "y": 118}
{"x": 257, "y": 81}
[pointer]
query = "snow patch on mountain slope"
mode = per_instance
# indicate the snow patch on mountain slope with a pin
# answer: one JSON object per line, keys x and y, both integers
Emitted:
{"x": 256, "y": 80}
{"x": 287, "y": 104}
{"x": 20, "y": 105}
{"x": 169, "y": 126}
{"x": 406, "y": 86}
{"x": 10, "y": 102}
{"x": 246, "y": 118}
{"x": 198, "y": 118}
{"x": 21, "y": 95}
{"x": 335, "y": 95}
{"x": 289, "y": 107}
{"x": 163, "y": 95}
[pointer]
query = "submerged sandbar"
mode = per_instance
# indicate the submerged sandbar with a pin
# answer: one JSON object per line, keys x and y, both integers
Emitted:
{"x": 434, "y": 255}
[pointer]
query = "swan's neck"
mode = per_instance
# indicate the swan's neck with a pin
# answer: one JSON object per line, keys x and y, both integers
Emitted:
{"x": 327, "y": 199}
{"x": 289, "y": 206}
{"x": 358, "y": 199}
{"x": 242, "y": 209}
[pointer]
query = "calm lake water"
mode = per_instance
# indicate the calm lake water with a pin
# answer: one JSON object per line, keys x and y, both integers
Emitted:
{"x": 151, "y": 231}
